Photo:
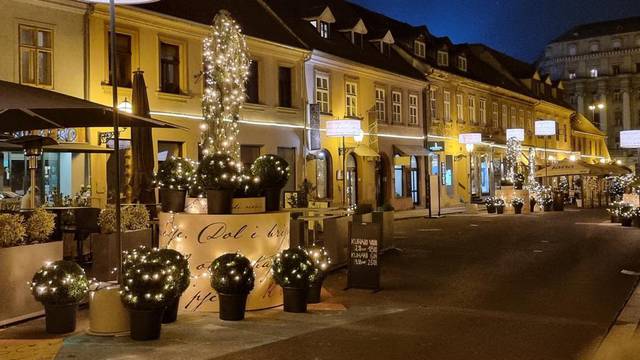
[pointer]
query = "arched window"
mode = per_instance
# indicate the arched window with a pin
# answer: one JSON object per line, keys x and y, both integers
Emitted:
{"x": 323, "y": 175}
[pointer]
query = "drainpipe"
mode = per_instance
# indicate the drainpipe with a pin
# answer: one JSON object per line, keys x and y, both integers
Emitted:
{"x": 87, "y": 95}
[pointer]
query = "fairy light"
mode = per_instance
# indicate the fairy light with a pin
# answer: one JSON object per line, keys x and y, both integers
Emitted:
{"x": 175, "y": 174}
{"x": 293, "y": 268}
{"x": 232, "y": 273}
{"x": 60, "y": 282}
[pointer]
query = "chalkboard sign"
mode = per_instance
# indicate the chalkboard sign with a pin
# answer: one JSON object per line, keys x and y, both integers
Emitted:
{"x": 364, "y": 263}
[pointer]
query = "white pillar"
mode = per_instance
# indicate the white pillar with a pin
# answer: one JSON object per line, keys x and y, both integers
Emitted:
{"x": 580, "y": 104}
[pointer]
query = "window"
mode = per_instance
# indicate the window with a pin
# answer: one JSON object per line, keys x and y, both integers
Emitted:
{"x": 459, "y": 108}
{"x": 521, "y": 119}
{"x": 413, "y": 109}
{"x": 253, "y": 83}
{"x": 169, "y": 68}
{"x": 565, "y": 132}
{"x": 249, "y": 154}
{"x": 513, "y": 124}
{"x": 284, "y": 86}
{"x": 323, "y": 175}
{"x": 505, "y": 117}
{"x": 443, "y": 58}
{"x": 618, "y": 118}
{"x": 615, "y": 69}
{"x": 168, "y": 149}
{"x": 447, "y": 106}
{"x": 324, "y": 29}
{"x": 419, "y": 49}
{"x": 616, "y": 43}
{"x": 594, "y": 73}
{"x": 398, "y": 180}
{"x": 351, "y": 100}
{"x": 414, "y": 181}
{"x": 594, "y": 46}
{"x": 36, "y": 56}
{"x": 396, "y": 107}
{"x": 572, "y": 75}
{"x": 433, "y": 105}
{"x": 530, "y": 121}
{"x": 483, "y": 111}
{"x": 462, "y": 63}
{"x": 123, "y": 55}
{"x": 322, "y": 93}
{"x": 617, "y": 96}
{"x": 381, "y": 105}
{"x": 495, "y": 117}
{"x": 573, "y": 49}
{"x": 472, "y": 110}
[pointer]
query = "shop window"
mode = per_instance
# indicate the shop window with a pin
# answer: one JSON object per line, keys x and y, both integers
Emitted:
{"x": 36, "y": 56}
{"x": 123, "y": 55}
{"x": 284, "y": 86}
{"x": 414, "y": 181}
{"x": 249, "y": 153}
{"x": 398, "y": 180}
{"x": 253, "y": 83}
{"x": 323, "y": 175}
{"x": 167, "y": 149}
{"x": 169, "y": 68}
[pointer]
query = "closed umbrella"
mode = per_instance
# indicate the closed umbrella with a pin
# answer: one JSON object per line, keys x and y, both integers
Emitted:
{"x": 141, "y": 145}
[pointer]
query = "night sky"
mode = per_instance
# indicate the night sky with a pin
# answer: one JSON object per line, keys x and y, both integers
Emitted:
{"x": 521, "y": 28}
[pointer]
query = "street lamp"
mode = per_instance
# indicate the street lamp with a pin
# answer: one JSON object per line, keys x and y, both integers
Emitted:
{"x": 593, "y": 107}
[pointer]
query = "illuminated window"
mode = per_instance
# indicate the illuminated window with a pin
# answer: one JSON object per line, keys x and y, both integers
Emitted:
{"x": 322, "y": 93}
{"x": 351, "y": 99}
{"x": 396, "y": 107}
{"x": 36, "y": 56}
{"x": 594, "y": 73}
{"x": 419, "y": 49}
{"x": 381, "y": 105}
{"x": 413, "y": 109}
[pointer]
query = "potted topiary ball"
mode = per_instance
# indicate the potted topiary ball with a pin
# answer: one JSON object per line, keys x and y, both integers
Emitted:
{"x": 491, "y": 206}
{"x": 321, "y": 261}
{"x": 627, "y": 212}
{"x": 233, "y": 279}
{"x": 499, "y": 204}
{"x": 174, "y": 177}
{"x": 294, "y": 271}
{"x": 218, "y": 174}
{"x": 517, "y": 204}
{"x": 60, "y": 286}
{"x": 179, "y": 266}
{"x": 148, "y": 287}
{"x": 273, "y": 172}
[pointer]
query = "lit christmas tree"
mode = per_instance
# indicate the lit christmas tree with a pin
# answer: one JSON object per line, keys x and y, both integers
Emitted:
{"x": 513, "y": 152}
{"x": 226, "y": 68}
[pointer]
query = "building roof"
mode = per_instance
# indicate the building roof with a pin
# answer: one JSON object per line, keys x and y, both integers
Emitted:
{"x": 602, "y": 28}
{"x": 294, "y": 13}
{"x": 255, "y": 20}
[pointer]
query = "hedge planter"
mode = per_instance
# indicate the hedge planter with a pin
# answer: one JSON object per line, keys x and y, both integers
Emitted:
{"x": 146, "y": 324}
{"x": 313, "y": 295}
{"x": 626, "y": 222}
{"x": 105, "y": 251}
{"x": 272, "y": 196}
{"x": 219, "y": 201}
{"x": 232, "y": 306}
{"x": 500, "y": 209}
{"x": 60, "y": 319}
{"x": 491, "y": 209}
{"x": 171, "y": 311}
{"x": 295, "y": 300}
{"x": 517, "y": 209}
{"x": 172, "y": 200}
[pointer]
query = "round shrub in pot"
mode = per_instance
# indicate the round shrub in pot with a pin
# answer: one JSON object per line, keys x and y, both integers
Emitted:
{"x": 499, "y": 204}
{"x": 60, "y": 286}
{"x": 518, "y": 204}
{"x": 219, "y": 174}
{"x": 294, "y": 271}
{"x": 627, "y": 212}
{"x": 174, "y": 177}
{"x": 321, "y": 261}
{"x": 40, "y": 225}
{"x": 273, "y": 173}
{"x": 490, "y": 202}
{"x": 233, "y": 279}
{"x": 148, "y": 287}
{"x": 179, "y": 266}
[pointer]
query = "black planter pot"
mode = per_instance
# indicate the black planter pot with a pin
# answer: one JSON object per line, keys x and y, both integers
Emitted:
{"x": 146, "y": 324}
{"x": 500, "y": 209}
{"x": 171, "y": 311}
{"x": 232, "y": 306}
{"x": 172, "y": 200}
{"x": 636, "y": 221}
{"x": 272, "y": 199}
{"x": 295, "y": 299}
{"x": 548, "y": 207}
{"x": 491, "y": 209}
{"x": 518, "y": 209}
{"x": 517, "y": 186}
{"x": 60, "y": 319}
{"x": 532, "y": 205}
{"x": 313, "y": 294}
{"x": 219, "y": 201}
{"x": 615, "y": 219}
{"x": 626, "y": 222}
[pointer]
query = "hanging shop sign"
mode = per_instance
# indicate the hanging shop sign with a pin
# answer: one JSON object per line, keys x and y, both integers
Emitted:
{"x": 364, "y": 264}
{"x": 518, "y": 134}
{"x": 435, "y": 146}
{"x": 545, "y": 128}
{"x": 343, "y": 128}
{"x": 470, "y": 138}
{"x": 203, "y": 238}
{"x": 630, "y": 139}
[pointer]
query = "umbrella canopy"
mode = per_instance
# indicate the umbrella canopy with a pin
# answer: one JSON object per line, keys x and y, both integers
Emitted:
{"x": 567, "y": 167}
{"x": 25, "y": 108}
{"x": 141, "y": 145}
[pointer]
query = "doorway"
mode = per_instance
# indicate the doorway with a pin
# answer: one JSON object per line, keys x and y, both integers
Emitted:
{"x": 351, "y": 177}
{"x": 382, "y": 179}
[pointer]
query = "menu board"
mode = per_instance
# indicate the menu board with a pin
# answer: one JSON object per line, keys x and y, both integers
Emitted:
{"x": 364, "y": 262}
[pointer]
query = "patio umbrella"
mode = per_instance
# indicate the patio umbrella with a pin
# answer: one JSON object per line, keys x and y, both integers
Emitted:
{"x": 141, "y": 145}
{"x": 24, "y": 108}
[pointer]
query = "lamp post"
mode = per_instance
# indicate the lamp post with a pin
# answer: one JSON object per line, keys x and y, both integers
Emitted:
{"x": 341, "y": 129}
{"x": 545, "y": 128}
{"x": 593, "y": 107}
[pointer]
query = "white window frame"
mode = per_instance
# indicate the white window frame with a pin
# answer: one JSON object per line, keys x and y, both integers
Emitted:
{"x": 413, "y": 109}
{"x": 462, "y": 63}
{"x": 443, "y": 58}
{"x": 396, "y": 107}
{"x": 483, "y": 111}
{"x": 447, "y": 105}
{"x": 460, "y": 108}
{"x": 594, "y": 72}
{"x": 381, "y": 104}
{"x": 34, "y": 50}
{"x": 514, "y": 117}
{"x": 471, "y": 102}
{"x": 420, "y": 48}
{"x": 351, "y": 99}
{"x": 323, "y": 29}
{"x": 325, "y": 106}
{"x": 433, "y": 104}
{"x": 495, "y": 115}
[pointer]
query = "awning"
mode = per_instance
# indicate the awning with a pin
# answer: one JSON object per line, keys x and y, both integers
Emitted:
{"x": 365, "y": 151}
{"x": 411, "y": 150}
{"x": 567, "y": 167}
{"x": 81, "y": 148}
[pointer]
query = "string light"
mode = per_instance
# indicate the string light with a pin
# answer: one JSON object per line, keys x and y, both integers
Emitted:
{"x": 60, "y": 282}
{"x": 293, "y": 268}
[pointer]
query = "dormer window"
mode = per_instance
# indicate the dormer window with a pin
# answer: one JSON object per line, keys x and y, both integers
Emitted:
{"x": 323, "y": 29}
{"x": 443, "y": 58}
{"x": 419, "y": 49}
{"x": 573, "y": 49}
{"x": 462, "y": 63}
{"x": 321, "y": 22}
{"x": 356, "y": 33}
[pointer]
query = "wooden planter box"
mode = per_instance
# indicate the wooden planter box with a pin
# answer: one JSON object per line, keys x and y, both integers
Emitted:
{"x": 17, "y": 266}
{"x": 105, "y": 251}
